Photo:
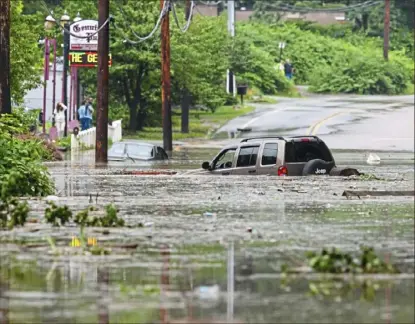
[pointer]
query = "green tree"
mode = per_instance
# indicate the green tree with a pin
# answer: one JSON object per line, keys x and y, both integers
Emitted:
{"x": 135, "y": 75}
{"x": 25, "y": 54}
{"x": 200, "y": 59}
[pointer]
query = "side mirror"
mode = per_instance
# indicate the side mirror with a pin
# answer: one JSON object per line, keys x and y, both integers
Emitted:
{"x": 206, "y": 165}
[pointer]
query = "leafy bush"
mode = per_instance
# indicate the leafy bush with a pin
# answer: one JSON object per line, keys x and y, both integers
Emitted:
{"x": 119, "y": 111}
{"x": 21, "y": 171}
{"x": 57, "y": 215}
{"x": 362, "y": 75}
{"x": 13, "y": 213}
{"x": 257, "y": 67}
{"x": 335, "y": 261}
{"x": 110, "y": 219}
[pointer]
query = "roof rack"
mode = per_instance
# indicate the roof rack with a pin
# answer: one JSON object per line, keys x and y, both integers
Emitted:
{"x": 299, "y": 136}
{"x": 261, "y": 137}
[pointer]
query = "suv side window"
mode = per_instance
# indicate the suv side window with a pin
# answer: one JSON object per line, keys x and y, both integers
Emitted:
{"x": 269, "y": 155}
{"x": 224, "y": 159}
{"x": 247, "y": 156}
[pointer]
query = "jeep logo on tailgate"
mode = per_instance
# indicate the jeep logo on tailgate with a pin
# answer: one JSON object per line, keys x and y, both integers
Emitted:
{"x": 321, "y": 171}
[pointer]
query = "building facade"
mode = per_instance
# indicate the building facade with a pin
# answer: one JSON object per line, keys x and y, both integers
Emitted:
{"x": 323, "y": 18}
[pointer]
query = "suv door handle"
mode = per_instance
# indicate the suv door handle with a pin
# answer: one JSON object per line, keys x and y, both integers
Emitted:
{"x": 251, "y": 171}
{"x": 225, "y": 173}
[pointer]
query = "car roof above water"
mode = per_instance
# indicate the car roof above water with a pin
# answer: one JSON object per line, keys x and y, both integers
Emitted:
{"x": 261, "y": 139}
{"x": 135, "y": 143}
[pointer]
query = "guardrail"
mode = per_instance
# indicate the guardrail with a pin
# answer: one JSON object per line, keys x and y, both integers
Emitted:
{"x": 86, "y": 139}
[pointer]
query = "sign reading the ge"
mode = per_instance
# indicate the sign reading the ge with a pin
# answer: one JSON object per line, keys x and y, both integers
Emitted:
{"x": 85, "y": 59}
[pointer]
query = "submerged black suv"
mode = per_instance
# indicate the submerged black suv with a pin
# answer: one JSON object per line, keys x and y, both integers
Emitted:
{"x": 277, "y": 155}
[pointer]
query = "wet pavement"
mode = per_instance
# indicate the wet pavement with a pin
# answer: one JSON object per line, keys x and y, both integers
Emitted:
{"x": 206, "y": 249}
{"x": 383, "y": 123}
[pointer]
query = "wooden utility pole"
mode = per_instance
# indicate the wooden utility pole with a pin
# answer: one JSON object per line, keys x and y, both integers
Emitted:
{"x": 5, "y": 95}
{"x": 185, "y": 91}
{"x": 101, "y": 144}
{"x": 386, "y": 30}
{"x": 165, "y": 83}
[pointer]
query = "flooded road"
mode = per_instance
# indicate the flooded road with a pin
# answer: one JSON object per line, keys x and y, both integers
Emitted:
{"x": 206, "y": 249}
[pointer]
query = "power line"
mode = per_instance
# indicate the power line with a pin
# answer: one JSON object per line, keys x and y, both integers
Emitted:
{"x": 142, "y": 39}
{"x": 189, "y": 20}
{"x": 58, "y": 22}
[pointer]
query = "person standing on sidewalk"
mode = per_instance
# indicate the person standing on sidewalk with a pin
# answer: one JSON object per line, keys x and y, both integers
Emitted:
{"x": 60, "y": 121}
{"x": 81, "y": 116}
{"x": 89, "y": 110}
{"x": 288, "y": 69}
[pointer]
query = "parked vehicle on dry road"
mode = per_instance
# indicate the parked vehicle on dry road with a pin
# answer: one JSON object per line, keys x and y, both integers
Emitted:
{"x": 132, "y": 150}
{"x": 277, "y": 155}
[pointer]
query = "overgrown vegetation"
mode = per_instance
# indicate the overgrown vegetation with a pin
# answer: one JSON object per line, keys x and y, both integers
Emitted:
{"x": 110, "y": 219}
{"x": 13, "y": 213}
{"x": 351, "y": 64}
{"x": 57, "y": 215}
{"x": 21, "y": 171}
{"x": 337, "y": 262}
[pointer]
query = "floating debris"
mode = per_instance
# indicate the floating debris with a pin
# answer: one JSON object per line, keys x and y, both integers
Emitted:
{"x": 373, "y": 159}
{"x": 348, "y": 193}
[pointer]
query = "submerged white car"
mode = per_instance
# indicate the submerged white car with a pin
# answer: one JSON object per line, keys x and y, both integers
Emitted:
{"x": 132, "y": 150}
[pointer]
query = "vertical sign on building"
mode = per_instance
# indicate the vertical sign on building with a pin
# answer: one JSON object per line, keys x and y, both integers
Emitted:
{"x": 84, "y": 28}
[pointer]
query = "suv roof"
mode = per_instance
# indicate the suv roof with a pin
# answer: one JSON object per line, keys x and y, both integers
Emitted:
{"x": 282, "y": 138}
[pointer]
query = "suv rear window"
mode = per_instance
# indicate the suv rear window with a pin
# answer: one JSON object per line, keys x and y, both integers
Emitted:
{"x": 305, "y": 151}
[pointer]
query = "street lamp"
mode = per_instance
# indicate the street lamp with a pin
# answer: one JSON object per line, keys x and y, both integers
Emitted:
{"x": 49, "y": 24}
{"x": 65, "y": 19}
{"x": 76, "y": 88}
{"x": 77, "y": 18}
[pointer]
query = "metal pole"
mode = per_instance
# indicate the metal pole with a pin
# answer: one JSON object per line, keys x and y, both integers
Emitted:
{"x": 230, "y": 283}
{"x": 101, "y": 145}
{"x": 165, "y": 83}
{"x": 45, "y": 80}
{"x": 165, "y": 281}
{"x": 5, "y": 95}
{"x": 54, "y": 75}
{"x": 231, "y": 30}
{"x": 185, "y": 92}
{"x": 65, "y": 74}
{"x": 386, "y": 30}
{"x": 70, "y": 94}
{"x": 78, "y": 92}
{"x": 75, "y": 93}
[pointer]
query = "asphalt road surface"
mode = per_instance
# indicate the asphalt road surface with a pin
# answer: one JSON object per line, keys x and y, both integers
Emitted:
{"x": 380, "y": 123}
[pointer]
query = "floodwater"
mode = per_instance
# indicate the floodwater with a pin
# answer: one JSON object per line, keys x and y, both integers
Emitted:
{"x": 173, "y": 263}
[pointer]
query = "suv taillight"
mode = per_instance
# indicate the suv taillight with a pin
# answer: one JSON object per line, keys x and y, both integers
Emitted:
{"x": 282, "y": 171}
